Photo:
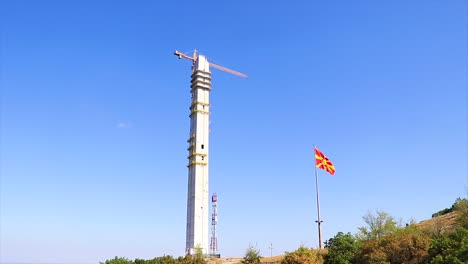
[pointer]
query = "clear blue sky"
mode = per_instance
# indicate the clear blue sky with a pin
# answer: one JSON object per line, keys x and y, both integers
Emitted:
{"x": 94, "y": 121}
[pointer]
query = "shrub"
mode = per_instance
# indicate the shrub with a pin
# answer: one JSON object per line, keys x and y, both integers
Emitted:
{"x": 459, "y": 205}
{"x": 252, "y": 256}
{"x": 303, "y": 255}
{"x": 407, "y": 245}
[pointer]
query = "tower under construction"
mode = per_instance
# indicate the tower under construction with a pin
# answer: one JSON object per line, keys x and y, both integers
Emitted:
{"x": 197, "y": 194}
{"x": 197, "y": 198}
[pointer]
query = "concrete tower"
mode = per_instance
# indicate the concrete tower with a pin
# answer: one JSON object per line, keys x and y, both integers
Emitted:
{"x": 197, "y": 196}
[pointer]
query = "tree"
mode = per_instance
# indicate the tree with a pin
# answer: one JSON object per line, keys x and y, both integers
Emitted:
{"x": 302, "y": 255}
{"x": 450, "y": 248}
{"x": 378, "y": 225}
{"x": 252, "y": 256}
{"x": 342, "y": 249}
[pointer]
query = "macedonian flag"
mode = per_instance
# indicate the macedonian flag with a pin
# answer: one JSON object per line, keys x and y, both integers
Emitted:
{"x": 323, "y": 162}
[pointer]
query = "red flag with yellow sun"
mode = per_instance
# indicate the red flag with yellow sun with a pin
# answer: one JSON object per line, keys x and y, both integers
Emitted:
{"x": 322, "y": 162}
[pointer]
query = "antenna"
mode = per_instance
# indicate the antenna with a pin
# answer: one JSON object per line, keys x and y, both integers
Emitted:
{"x": 214, "y": 223}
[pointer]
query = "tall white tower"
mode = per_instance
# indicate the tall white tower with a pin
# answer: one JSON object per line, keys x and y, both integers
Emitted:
{"x": 197, "y": 195}
{"x": 197, "y": 198}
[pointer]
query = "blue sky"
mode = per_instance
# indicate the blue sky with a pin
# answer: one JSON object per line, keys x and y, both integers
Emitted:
{"x": 94, "y": 121}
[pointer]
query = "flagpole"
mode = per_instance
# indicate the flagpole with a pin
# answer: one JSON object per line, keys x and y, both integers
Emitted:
{"x": 318, "y": 208}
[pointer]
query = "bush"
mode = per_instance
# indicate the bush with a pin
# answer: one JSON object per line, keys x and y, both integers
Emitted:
{"x": 459, "y": 205}
{"x": 303, "y": 255}
{"x": 463, "y": 219}
{"x": 407, "y": 245}
{"x": 252, "y": 256}
{"x": 442, "y": 212}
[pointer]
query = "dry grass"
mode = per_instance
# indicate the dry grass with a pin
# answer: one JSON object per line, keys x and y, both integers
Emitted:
{"x": 229, "y": 260}
{"x": 440, "y": 224}
{"x": 274, "y": 259}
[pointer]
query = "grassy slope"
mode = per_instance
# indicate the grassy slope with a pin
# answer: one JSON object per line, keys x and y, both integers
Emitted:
{"x": 442, "y": 223}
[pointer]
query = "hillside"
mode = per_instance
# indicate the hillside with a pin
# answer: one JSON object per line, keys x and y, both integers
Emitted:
{"x": 439, "y": 224}
{"x": 442, "y": 223}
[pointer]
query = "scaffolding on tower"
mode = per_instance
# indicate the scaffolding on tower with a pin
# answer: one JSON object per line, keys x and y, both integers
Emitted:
{"x": 214, "y": 222}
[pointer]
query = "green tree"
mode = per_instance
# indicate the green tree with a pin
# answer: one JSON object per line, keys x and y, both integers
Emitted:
{"x": 450, "y": 248}
{"x": 342, "y": 249}
{"x": 252, "y": 256}
{"x": 118, "y": 260}
{"x": 378, "y": 225}
{"x": 303, "y": 255}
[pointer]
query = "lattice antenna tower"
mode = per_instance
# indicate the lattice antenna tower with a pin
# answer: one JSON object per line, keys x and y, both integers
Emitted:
{"x": 214, "y": 223}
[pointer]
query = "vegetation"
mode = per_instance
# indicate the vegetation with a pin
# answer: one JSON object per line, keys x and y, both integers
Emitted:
{"x": 444, "y": 239}
{"x": 378, "y": 225}
{"x": 252, "y": 256}
{"x": 303, "y": 255}
{"x": 197, "y": 259}
{"x": 408, "y": 245}
{"x": 459, "y": 205}
{"x": 450, "y": 248}
{"x": 384, "y": 240}
{"x": 117, "y": 260}
{"x": 342, "y": 249}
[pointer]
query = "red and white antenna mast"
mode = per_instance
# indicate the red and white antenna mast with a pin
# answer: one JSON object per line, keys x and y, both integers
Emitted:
{"x": 214, "y": 222}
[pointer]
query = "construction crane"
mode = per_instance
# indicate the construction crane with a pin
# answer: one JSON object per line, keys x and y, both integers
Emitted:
{"x": 216, "y": 66}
